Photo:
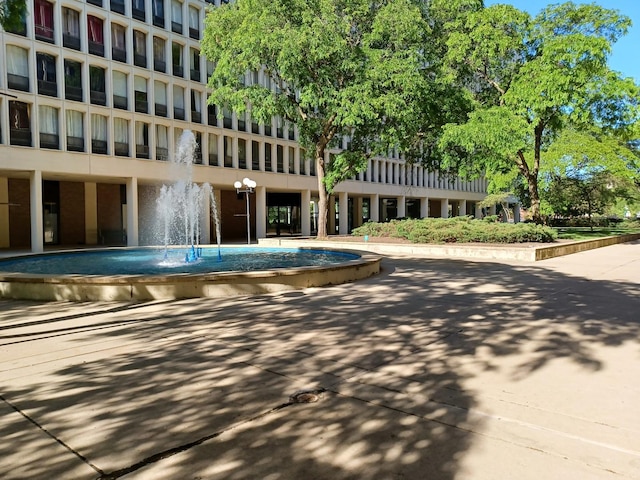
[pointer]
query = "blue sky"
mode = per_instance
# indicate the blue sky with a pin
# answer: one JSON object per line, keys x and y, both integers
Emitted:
{"x": 626, "y": 52}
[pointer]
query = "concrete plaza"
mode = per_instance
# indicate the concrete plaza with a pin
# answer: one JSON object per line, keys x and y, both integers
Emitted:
{"x": 435, "y": 369}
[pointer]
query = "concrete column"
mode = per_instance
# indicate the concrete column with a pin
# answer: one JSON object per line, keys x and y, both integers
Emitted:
{"x": 516, "y": 213}
{"x": 234, "y": 152}
{"x": 37, "y": 221}
{"x": 357, "y": 214}
{"x": 132, "y": 212}
{"x": 296, "y": 161}
{"x": 261, "y": 211}
{"x": 343, "y": 214}
{"x": 444, "y": 208}
{"x": 274, "y": 157}
{"x": 478, "y": 211}
{"x": 4, "y": 213}
{"x": 402, "y": 206}
{"x": 331, "y": 215}
{"x": 390, "y": 172}
{"x": 221, "y": 150}
{"x": 376, "y": 170}
{"x": 261, "y": 157}
{"x": 424, "y": 207}
{"x": 462, "y": 211}
{"x": 374, "y": 207}
{"x": 305, "y": 211}
{"x": 285, "y": 159}
{"x": 492, "y": 210}
{"x": 90, "y": 213}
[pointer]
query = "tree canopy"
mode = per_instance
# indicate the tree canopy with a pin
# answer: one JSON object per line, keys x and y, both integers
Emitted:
{"x": 530, "y": 77}
{"x": 12, "y": 12}
{"x": 335, "y": 68}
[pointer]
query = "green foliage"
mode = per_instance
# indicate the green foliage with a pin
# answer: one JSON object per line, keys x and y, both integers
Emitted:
{"x": 337, "y": 68}
{"x": 530, "y": 77}
{"x": 12, "y": 13}
{"x": 458, "y": 230}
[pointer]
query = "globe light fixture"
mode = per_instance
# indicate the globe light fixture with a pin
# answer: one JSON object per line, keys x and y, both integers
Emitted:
{"x": 247, "y": 186}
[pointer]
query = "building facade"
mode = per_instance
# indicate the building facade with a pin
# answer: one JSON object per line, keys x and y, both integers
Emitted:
{"x": 94, "y": 97}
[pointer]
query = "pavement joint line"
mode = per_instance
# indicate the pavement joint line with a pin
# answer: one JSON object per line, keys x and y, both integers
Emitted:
{"x": 186, "y": 446}
{"x": 50, "y": 435}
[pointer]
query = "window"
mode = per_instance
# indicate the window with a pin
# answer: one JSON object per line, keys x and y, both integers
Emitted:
{"x": 19, "y": 124}
{"x": 46, "y": 73}
{"x": 43, "y": 20}
{"x": 97, "y": 90}
{"x": 227, "y": 117}
{"x": 178, "y": 102}
{"x": 194, "y": 23}
{"x": 19, "y": 27}
{"x": 72, "y": 80}
{"x": 176, "y": 60}
{"x": 117, "y": 6}
{"x": 137, "y": 10}
{"x": 159, "y": 62}
{"x": 176, "y": 16}
{"x": 280, "y": 158}
{"x": 121, "y": 136}
{"x": 17, "y": 68}
{"x": 196, "y": 106}
{"x": 139, "y": 49}
{"x": 242, "y": 123}
{"x": 228, "y": 152}
{"x": 118, "y": 45}
{"x": 71, "y": 28}
{"x": 142, "y": 140}
{"x": 75, "y": 131}
{"x": 160, "y": 98}
{"x": 162, "y": 143}
{"x": 213, "y": 149}
{"x": 48, "y": 124}
{"x": 158, "y": 13}
{"x": 242, "y": 153}
{"x": 195, "y": 65}
{"x": 98, "y": 134}
{"x": 267, "y": 157}
{"x": 120, "y": 90}
{"x": 140, "y": 92}
{"x": 279, "y": 128}
{"x": 96, "y": 35}
{"x": 292, "y": 160}
{"x": 255, "y": 155}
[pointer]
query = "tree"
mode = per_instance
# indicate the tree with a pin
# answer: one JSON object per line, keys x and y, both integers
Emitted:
{"x": 12, "y": 12}
{"x": 339, "y": 68}
{"x": 529, "y": 78}
{"x": 586, "y": 171}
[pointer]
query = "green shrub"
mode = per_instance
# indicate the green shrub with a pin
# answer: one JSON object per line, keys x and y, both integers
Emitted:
{"x": 458, "y": 229}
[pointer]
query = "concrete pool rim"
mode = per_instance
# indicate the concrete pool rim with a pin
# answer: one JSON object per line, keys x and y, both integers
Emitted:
{"x": 71, "y": 287}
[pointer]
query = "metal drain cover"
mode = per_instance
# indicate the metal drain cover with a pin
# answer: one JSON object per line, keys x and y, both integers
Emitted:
{"x": 305, "y": 396}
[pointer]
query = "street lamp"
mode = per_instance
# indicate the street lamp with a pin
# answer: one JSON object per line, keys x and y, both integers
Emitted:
{"x": 247, "y": 186}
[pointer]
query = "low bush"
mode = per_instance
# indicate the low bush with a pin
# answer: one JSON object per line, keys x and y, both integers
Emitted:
{"x": 458, "y": 230}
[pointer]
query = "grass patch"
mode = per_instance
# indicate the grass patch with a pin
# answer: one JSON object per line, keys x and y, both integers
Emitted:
{"x": 458, "y": 230}
{"x": 585, "y": 233}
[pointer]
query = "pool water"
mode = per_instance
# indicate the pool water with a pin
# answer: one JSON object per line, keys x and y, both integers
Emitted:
{"x": 157, "y": 261}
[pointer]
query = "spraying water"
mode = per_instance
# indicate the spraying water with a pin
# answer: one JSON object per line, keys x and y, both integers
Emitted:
{"x": 182, "y": 206}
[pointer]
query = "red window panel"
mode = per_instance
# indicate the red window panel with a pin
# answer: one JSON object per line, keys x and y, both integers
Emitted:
{"x": 96, "y": 33}
{"x": 43, "y": 18}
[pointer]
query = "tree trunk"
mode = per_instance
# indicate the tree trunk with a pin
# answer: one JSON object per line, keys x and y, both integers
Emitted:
{"x": 323, "y": 204}
{"x": 534, "y": 196}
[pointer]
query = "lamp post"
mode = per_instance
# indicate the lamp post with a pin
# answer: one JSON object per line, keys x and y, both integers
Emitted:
{"x": 247, "y": 186}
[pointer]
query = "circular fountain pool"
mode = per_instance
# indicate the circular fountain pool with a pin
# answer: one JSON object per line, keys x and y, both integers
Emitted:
{"x": 153, "y": 273}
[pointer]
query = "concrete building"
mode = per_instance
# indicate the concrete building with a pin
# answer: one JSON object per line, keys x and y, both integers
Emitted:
{"x": 95, "y": 94}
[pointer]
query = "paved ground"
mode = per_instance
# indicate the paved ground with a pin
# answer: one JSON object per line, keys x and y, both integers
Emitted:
{"x": 435, "y": 369}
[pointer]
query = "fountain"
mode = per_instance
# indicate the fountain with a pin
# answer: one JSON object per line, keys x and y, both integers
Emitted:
{"x": 180, "y": 205}
{"x": 181, "y": 267}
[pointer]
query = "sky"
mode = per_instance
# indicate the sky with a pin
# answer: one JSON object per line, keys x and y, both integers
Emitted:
{"x": 626, "y": 51}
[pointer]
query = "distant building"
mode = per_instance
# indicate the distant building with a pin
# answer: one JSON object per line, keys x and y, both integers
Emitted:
{"x": 95, "y": 94}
